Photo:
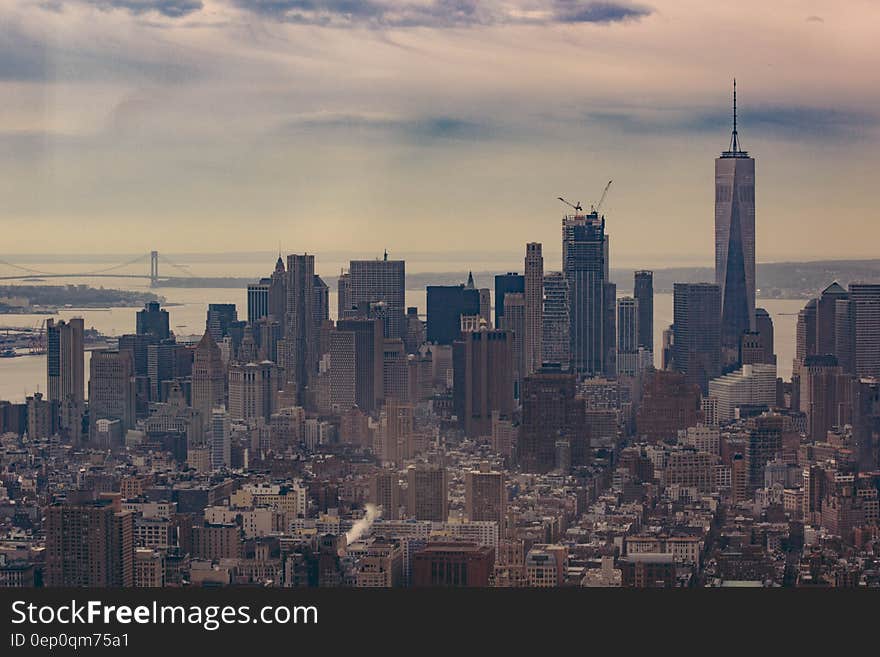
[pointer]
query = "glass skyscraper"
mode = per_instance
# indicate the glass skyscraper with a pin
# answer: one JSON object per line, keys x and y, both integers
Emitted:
{"x": 735, "y": 242}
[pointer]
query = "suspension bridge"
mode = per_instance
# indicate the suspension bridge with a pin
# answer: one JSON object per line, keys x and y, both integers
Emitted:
{"x": 25, "y": 273}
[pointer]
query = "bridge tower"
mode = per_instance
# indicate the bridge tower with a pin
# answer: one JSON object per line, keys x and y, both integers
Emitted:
{"x": 154, "y": 268}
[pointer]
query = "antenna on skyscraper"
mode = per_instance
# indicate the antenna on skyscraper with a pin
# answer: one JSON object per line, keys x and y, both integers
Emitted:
{"x": 734, "y": 137}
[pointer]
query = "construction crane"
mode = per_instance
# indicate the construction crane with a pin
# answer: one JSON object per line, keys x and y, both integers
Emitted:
{"x": 577, "y": 208}
{"x": 598, "y": 205}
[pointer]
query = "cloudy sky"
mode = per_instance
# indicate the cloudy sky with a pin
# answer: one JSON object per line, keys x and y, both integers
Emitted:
{"x": 432, "y": 125}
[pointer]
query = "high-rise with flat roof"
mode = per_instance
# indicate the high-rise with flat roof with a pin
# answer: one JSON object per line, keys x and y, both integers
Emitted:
{"x": 221, "y": 316}
{"x": 427, "y": 492}
{"x": 258, "y": 300}
{"x": 485, "y": 496}
{"x": 153, "y": 320}
{"x": 504, "y": 283}
{"x": 65, "y": 372}
{"x": 380, "y": 282}
{"x": 534, "y": 308}
{"x": 447, "y": 304}
{"x": 585, "y": 264}
{"x": 551, "y": 412}
{"x": 89, "y": 544}
{"x": 300, "y": 352}
{"x": 555, "y": 342}
{"x": 643, "y": 291}
{"x": 482, "y": 379}
{"x": 111, "y": 389}
{"x": 628, "y": 362}
{"x": 696, "y": 347}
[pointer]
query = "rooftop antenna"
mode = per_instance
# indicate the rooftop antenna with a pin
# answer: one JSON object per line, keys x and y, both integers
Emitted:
{"x": 734, "y": 137}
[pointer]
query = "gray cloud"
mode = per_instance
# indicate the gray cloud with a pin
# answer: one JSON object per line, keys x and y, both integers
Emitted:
{"x": 413, "y": 129}
{"x": 166, "y": 8}
{"x": 574, "y": 11}
{"x": 36, "y": 58}
{"x": 441, "y": 13}
{"x": 785, "y": 122}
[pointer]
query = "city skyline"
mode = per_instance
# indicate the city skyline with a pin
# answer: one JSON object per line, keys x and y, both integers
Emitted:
{"x": 572, "y": 417}
{"x": 102, "y": 131}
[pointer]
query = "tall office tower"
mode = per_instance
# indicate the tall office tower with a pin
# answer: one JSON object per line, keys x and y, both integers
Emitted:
{"x": 551, "y": 411}
{"x": 111, "y": 389}
{"x": 65, "y": 372}
{"x": 585, "y": 264}
{"x": 534, "y": 300}
{"x": 643, "y": 291}
{"x": 415, "y": 334}
{"x": 258, "y": 300}
{"x": 89, "y": 544}
{"x": 393, "y": 439}
{"x": 866, "y": 422}
{"x": 221, "y": 439}
{"x": 252, "y": 390}
{"x": 42, "y": 416}
{"x": 368, "y": 361}
{"x": 485, "y": 496}
{"x": 161, "y": 366}
{"x": 609, "y": 330}
{"x": 504, "y": 284}
{"x": 482, "y": 379}
{"x": 343, "y": 300}
{"x": 208, "y": 378}
{"x": 220, "y": 317}
{"x": 395, "y": 372}
{"x": 826, "y": 319}
{"x": 342, "y": 370}
{"x": 628, "y": 336}
{"x": 844, "y": 348}
{"x": 805, "y": 336}
{"x": 825, "y": 395}
{"x": 301, "y": 341}
{"x": 427, "y": 492}
{"x": 321, "y": 308}
{"x": 735, "y": 242}
{"x": 864, "y": 321}
{"x": 763, "y": 444}
{"x": 267, "y": 332}
{"x": 447, "y": 304}
{"x": 278, "y": 292}
{"x": 515, "y": 322}
{"x": 555, "y": 342}
{"x": 666, "y": 352}
{"x": 764, "y": 329}
{"x": 137, "y": 346}
{"x": 385, "y": 493}
{"x": 486, "y": 305}
{"x": 696, "y": 332}
{"x": 153, "y": 320}
{"x": 381, "y": 281}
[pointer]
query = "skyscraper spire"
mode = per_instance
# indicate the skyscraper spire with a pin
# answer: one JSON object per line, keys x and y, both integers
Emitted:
{"x": 734, "y": 137}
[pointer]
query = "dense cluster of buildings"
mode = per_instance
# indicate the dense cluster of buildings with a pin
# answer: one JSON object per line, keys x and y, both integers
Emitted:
{"x": 519, "y": 436}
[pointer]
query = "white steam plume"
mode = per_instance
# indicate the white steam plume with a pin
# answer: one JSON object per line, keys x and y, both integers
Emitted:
{"x": 362, "y": 525}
